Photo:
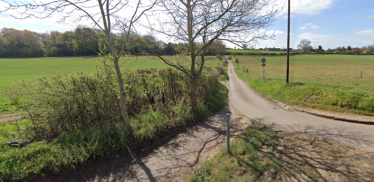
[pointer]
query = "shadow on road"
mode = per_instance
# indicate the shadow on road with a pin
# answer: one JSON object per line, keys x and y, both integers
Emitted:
{"x": 314, "y": 157}
{"x": 347, "y": 136}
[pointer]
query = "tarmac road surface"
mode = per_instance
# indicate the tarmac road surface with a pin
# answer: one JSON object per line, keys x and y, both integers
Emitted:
{"x": 244, "y": 99}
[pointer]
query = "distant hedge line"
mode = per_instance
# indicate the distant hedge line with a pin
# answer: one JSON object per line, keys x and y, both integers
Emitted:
{"x": 285, "y": 54}
{"x": 265, "y": 54}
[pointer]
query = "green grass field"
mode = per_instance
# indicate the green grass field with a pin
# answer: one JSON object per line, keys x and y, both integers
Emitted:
{"x": 12, "y": 70}
{"x": 17, "y": 69}
{"x": 320, "y": 81}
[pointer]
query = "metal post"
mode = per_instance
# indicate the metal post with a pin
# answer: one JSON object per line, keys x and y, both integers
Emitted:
{"x": 263, "y": 72}
{"x": 228, "y": 132}
{"x": 288, "y": 41}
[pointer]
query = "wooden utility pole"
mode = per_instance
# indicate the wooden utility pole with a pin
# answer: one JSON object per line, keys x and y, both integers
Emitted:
{"x": 288, "y": 41}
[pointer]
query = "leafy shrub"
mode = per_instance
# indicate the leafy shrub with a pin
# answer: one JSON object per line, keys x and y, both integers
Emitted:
{"x": 220, "y": 70}
{"x": 78, "y": 101}
{"x": 68, "y": 150}
{"x": 369, "y": 106}
{"x": 219, "y": 57}
{"x": 75, "y": 118}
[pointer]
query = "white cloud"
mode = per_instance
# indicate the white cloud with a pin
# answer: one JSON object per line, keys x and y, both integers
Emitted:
{"x": 277, "y": 32}
{"x": 317, "y": 39}
{"x": 38, "y": 25}
{"x": 51, "y": 23}
{"x": 270, "y": 32}
{"x": 368, "y": 42}
{"x": 365, "y": 33}
{"x": 371, "y": 16}
{"x": 307, "y": 7}
{"x": 325, "y": 40}
{"x": 312, "y": 26}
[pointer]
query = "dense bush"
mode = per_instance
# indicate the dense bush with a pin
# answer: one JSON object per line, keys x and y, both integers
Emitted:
{"x": 78, "y": 101}
{"x": 75, "y": 118}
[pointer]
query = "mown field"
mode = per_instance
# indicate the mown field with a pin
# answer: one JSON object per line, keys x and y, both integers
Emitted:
{"x": 330, "y": 82}
{"x": 17, "y": 69}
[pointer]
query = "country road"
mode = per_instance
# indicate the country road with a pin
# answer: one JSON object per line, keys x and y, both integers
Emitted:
{"x": 243, "y": 98}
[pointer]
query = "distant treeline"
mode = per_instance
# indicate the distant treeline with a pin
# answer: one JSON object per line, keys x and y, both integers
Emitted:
{"x": 263, "y": 53}
{"x": 83, "y": 41}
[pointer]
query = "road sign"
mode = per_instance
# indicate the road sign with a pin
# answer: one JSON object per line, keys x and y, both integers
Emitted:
{"x": 263, "y": 60}
{"x": 263, "y": 64}
{"x": 157, "y": 97}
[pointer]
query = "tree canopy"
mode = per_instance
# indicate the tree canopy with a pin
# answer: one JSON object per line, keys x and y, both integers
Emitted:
{"x": 81, "y": 41}
{"x": 305, "y": 45}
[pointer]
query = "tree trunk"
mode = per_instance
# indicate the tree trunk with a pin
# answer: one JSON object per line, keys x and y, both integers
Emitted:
{"x": 122, "y": 93}
{"x": 193, "y": 83}
{"x": 120, "y": 81}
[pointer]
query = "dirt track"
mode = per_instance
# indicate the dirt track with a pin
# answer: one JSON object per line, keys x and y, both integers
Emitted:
{"x": 244, "y": 99}
{"x": 10, "y": 117}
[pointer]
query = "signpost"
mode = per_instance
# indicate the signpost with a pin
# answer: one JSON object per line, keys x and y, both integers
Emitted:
{"x": 263, "y": 61}
{"x": 156, "y": 97}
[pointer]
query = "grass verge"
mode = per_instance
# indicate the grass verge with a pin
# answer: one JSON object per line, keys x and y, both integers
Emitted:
{"x": 244, "y": 158}
{"x": 341, "y": 99}
{"x": 281, "y": 156}
{"x": 315, "y": 83}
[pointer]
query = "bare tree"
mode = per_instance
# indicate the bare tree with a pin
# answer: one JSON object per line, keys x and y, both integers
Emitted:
{"x": 105, "y": 15}
{"x": 201, "y": 22}
{"x": 305, "y": 45}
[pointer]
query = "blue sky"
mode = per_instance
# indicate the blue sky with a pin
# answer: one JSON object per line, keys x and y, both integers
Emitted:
{"x": 329, "y": 23}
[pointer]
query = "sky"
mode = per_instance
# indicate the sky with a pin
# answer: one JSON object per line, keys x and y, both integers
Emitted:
{"x": 329, "y": 23}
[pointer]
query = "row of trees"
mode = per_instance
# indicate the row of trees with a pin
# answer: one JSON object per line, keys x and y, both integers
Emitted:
{"x": 25, "y": 43}
{"x": 15, "y": 43}
{"x": 357, "y": 50}
{"x": 305, "y": 45}
{"x": 82, "y": 41}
